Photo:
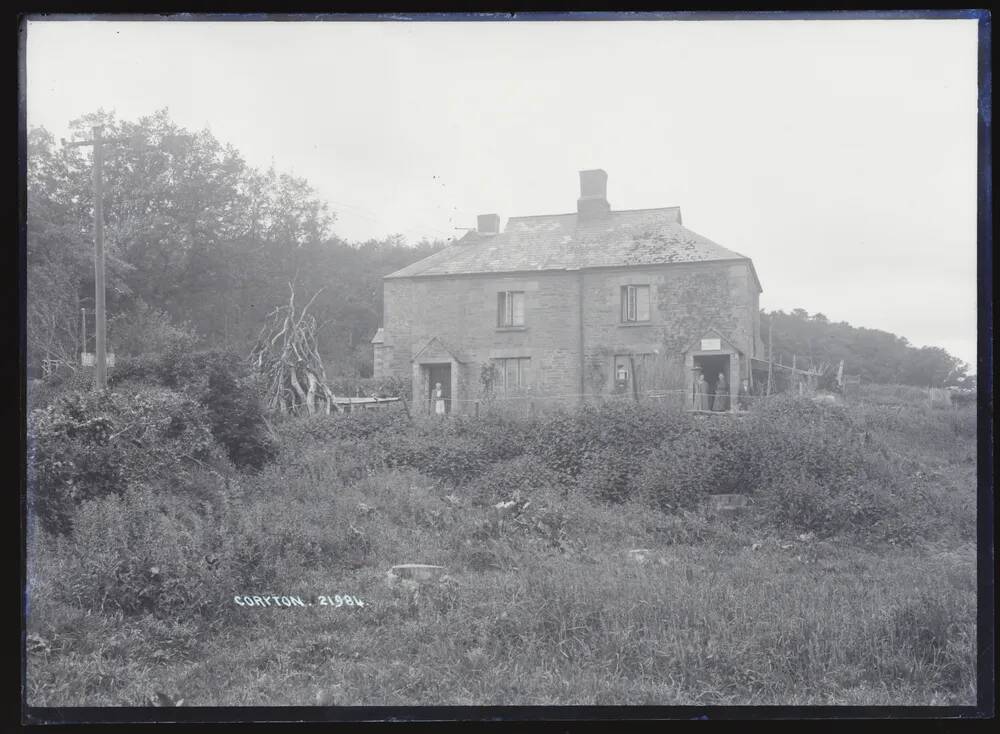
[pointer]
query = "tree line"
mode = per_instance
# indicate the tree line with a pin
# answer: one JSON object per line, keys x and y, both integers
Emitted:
{"x": 877, "y": 356}
{"x": 201, "y": 246}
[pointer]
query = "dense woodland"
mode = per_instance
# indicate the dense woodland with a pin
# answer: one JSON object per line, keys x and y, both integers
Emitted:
{"x": 201, "y": 246}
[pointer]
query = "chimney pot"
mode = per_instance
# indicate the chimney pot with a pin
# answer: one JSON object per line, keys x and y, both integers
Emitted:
{"x": 593, "y": 193}
{"x": 488, "y": 224}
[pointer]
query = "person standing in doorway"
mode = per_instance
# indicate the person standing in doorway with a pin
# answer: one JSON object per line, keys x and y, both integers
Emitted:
{"x": 721, "y": 402}
{"x": 702, "y": 399}
{"x": 438, "y": 399}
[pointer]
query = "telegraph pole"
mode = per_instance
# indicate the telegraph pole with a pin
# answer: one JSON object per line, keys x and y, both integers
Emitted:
{"x": 100, "y": 332}
{"x": 100, "y": 325}
{"x": 100, "y": 319}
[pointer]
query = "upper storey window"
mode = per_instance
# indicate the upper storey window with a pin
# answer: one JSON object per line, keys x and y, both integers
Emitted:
{"x": 510, "y": 308}
{"x": 635, "y": 303}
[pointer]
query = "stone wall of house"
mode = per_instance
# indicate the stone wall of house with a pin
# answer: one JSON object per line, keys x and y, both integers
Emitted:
{"x": 462, "y": 313}
{"x": 686, "y": 300}
{"x": 382, "y": 358}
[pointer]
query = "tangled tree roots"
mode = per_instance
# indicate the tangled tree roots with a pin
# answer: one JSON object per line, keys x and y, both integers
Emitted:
{"x": 286, "y": 358}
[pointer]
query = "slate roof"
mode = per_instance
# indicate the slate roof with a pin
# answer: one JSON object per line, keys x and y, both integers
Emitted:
{"x": 567, "y": 242}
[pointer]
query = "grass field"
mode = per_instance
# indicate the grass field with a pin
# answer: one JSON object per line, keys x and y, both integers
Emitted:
{"x": 540, "y": 605}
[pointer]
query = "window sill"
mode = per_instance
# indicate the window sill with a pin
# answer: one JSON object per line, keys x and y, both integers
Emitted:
{"x": 512, "y": 328}
{"x": 630, "y": 324}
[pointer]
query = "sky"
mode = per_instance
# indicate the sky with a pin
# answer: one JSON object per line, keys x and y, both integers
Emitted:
{"x": 840, "y": 155}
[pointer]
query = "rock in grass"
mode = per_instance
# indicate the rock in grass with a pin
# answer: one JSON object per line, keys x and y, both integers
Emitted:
{"x": 417, "y": 571}
{"x": 727, "y": 501}
{"x": 640, "y": 555}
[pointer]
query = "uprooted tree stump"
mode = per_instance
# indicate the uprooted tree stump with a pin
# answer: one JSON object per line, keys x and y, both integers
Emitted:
{"x": 286, "y": 358}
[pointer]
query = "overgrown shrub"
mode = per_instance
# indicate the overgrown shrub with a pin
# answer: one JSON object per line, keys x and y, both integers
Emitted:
{"x": 145, "y": 552}
{"x": 456, "y": 460}
{"x": 361, "y": 425}
{"x": 221, "y": 382}
{"x": 501, "y": 436}
{"x": 566, "y": 438}
{"x": 87, "y": 445}
{"x": 680, "y": 473}
{"x": 42, "y": 393}
{"x": 523, "y": 476}
{"x": 607, "y": 473}
{"x": 868, "y": 511}
{"x": 146, "y": 330}
{"x": 789, "y": 438}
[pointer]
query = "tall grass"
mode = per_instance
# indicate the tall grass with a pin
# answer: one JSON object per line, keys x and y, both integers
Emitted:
{"x": 542, "y": 603}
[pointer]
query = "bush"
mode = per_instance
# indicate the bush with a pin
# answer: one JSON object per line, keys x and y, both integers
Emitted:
{"x": 456, "y": 460}
{"x": 361, "y": 425}
{"x": 866, "y": 511}
{"x": 88, "y": 445}
{"x": 800, "y": 506}
{"x": 565, "y": 439}
{"x": 42, "y": 393}
{"x": 607, "y": 474}
{"x": 501, "y": 436}
{"x": 146, "y": 330}
{"x": 679, "y": 474}
{"x": 522, "y": 475}
{"x": 221, "y": 382}
{"x": 787, "y": 439}
{"x": 145, "y": 552}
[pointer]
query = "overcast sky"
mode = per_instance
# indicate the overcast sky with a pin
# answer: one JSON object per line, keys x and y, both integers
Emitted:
{"x": 839, "y": 155}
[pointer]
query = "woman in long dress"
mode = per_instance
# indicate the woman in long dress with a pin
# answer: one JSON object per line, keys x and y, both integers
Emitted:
{"x": 702, "y": 400}
{"x": 721, "y": 402}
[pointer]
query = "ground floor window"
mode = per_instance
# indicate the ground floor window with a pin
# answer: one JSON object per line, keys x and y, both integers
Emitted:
{"x": 512, "y": 373}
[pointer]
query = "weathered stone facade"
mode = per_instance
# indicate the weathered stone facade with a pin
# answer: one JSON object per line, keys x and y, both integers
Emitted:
{"x": 573, "y": 331}
{"x": 688, "y": 301}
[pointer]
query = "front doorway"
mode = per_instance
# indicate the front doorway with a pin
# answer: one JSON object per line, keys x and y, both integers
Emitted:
{"x": 713, "y": 365}
{"x": 438, "y": 388}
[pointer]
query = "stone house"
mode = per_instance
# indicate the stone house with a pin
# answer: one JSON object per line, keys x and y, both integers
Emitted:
{"x": 571, "y": 307}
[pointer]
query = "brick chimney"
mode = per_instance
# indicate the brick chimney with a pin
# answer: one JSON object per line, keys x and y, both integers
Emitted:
{"x": 593, "y": 199}
{"x": 488, "y": 224}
